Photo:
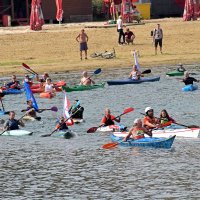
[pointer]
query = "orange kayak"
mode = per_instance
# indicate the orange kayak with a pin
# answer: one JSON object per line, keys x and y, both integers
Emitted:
{"x": 47, "y": 95}
{"x": 57, "y": 84}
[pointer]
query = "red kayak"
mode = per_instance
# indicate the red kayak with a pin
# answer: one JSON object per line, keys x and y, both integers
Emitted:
{"x": 57, "y": 84}
{"x": 47, "y": 95}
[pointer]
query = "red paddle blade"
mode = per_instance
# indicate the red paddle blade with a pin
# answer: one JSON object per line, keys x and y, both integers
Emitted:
{"x": 54, "y": 109}
{"x": 128, "y": 110}
{"x": 26, "y": 66}
{"x": 92, "y": 130}
{"x": 110, "y": 145}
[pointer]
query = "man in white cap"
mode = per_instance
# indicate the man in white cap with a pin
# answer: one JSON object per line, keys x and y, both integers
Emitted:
{"x": 150, "y": 121}
{"x": 138, "y": 131}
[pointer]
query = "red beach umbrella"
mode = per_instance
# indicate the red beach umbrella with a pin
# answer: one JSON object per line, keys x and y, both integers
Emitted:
{"x": 59, "y": 14}
{"x": 36, "y": 17}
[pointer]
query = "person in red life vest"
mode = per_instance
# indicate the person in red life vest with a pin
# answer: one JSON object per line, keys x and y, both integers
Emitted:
{"x": 129, "y": 36}
{"x": 150, "y": 122}
{"x": 165, "y": 118}
{"x": 14, "y": 84}
{"x": 137, "y": 131}
{"x": 109, "y": 119}
{"x": 62, "y": 125}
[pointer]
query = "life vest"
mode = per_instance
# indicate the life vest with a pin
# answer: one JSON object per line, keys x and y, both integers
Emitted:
{"x": 61, "y": 126}
{"x": 12, "y": 124}
{"x": 108, "y": 121}
{"x": 78, "y": 112}
{"x": 164, "y": 120}
{"x": 150, "y": 120}
{"x": 139, "y": 134}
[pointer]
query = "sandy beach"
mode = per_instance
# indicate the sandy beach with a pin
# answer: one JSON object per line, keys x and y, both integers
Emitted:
{"x": 54, "y": 49}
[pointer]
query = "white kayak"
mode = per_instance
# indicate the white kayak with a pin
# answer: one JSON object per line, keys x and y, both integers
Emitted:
{"x": 165, "y": 133}
{"x": 18, "y": 132}
{"x": 111, "y": 128}
{"x": 29, "y": 118}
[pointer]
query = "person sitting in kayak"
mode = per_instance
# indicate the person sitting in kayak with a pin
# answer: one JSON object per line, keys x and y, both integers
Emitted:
{"x": 188, "y": 80}
{"x": 76, "y": 111}
{"x": 135, "y": 74}
{"x": 33, "y": 111}
{"x": 85, "y": 80}
{"x": 62, "y": 125}
{"x": 43, "y": 78}
{"x": 49, "y": 87}
{"x": 165, "y": 118}
{"x": 137, "y": 131}
{"x": 14, "y": 84}
{"x": 109, "y": 119}
{"x": 180, "y": 68}
{"x": 150, "y": 121}
{"x": 28, "y": 80}
{"x": 12, "y": 123}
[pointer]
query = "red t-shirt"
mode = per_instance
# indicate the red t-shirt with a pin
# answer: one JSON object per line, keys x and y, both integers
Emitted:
{"x": 129, "y": 34}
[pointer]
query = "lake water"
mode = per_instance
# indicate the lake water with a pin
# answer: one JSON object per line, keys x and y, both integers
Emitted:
{"x": 35, "y": 167}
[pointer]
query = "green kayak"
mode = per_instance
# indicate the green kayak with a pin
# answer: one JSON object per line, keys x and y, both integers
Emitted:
{"x": 175, "y": 73}
{"x": 82, "y": 87}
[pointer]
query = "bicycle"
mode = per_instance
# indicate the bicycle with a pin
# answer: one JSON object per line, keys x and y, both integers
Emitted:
{"x": 105, "y": 54}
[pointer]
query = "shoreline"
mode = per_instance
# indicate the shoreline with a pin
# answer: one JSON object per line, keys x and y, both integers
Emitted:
{"x": 54, "y": 49}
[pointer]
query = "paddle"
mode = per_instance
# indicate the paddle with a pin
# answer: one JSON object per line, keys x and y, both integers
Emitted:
{"x": 28, "y": 68}
{"x": 191, "y": 126}
{"x": 110, "y": 145}
{"x": 97, "y": 71}
{"x": 147, "y": 71}
{"x": 17, "y": 121}
{"x": 54, "y": 109}
{"x": 48, "y": 135}
{"x": 93, "y": 129}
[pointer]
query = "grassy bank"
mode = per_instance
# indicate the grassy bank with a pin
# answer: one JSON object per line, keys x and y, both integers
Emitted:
{"x": 55, "y": 48}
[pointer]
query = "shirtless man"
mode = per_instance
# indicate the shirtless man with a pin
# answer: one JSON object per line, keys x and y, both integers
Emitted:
{"x": 82, "y": 38}
{"x": 86, "y": 80}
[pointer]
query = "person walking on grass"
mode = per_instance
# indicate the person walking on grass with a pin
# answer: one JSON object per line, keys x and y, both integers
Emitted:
{"x": 82, "y": 38}
{"x": 157, "y": 38}
{"x": 120, "y": 30}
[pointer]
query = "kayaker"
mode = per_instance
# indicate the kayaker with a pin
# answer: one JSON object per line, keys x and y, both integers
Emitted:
{"x": 14, "y": 84}
{"x": 76, "y": 111}
{"x": 62, "y": 125}
{"x": 12, "y": 123}
{"x": 150, "y": 121}
{"x": 85, "y": 80}
{"x": 28, "y": 80}
{"x": 180, "y": 68}
{"x": 135, "y": 74}
{"x": 187, "y": 79}
{"x": 49, "y": 87}
{"x": 33, "y": 112}
{"x": 165, "y": 118}
{"x": 109, "y": 119}
{"x": 43, "y": 78}
{"x": 137, "y": 131}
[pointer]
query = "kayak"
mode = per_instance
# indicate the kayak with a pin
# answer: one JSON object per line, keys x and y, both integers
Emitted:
{"x": 82, "y": 87}
{"x": 175, "y": 73}
{"x": 17, "y": 133}
{"x": 47, "y": 95}
{"x": 167, "y": 132}
{"x": 145, "y": 142}
{"x": 190, "y": 87}
{"x": 58, "y": 84}
{"x": 133, "y": 81}
{"x": 13, "y": 91}
{"x": 67, "y": 134}
{"x": 3, "y": 112}
{"x": 29, "y": 118}
{"x": 111, "y": 128}
{"x": 37, "y": 90}
{"x": 77, "y": 121}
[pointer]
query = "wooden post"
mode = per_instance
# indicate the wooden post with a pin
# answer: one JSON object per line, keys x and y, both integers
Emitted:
{"x": 27, "y": 11}
{"x": 12, "y": 9}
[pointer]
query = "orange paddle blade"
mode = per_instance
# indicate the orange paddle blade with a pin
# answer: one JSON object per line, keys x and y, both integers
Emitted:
{"x": 110, "y": 145}
{"x": 128, "y": 110}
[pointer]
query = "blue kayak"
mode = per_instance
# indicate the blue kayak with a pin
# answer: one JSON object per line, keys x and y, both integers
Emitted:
{"x": 13, "y": 91}
{"x": 145, "y": 142}
{"x": 133, "y": 81}
{"x": 3, "y": 112}
{"x": 190, "y": 87}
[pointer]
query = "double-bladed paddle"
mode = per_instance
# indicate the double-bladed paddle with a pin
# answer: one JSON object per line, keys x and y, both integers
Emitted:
{"x": 93, "y": 129}
{"x": 17, "y": 120}
{"x": 54, "y": 109}
{"x": 28, "y": 68}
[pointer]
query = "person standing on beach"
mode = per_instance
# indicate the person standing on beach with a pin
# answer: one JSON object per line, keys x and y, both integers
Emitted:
{"x": 157, "y": 38}
{"x": 120, "y": 30}
{"x": 82, "y": 38}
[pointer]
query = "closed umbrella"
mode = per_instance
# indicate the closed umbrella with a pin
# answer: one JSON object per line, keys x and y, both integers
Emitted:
{"x": 191, "y": 10}
{"x": 59, "y": 14}
{"x": 36, "y": 18}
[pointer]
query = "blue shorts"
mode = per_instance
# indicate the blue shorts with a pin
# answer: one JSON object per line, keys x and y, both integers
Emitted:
{"x": 83, "y": 46}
